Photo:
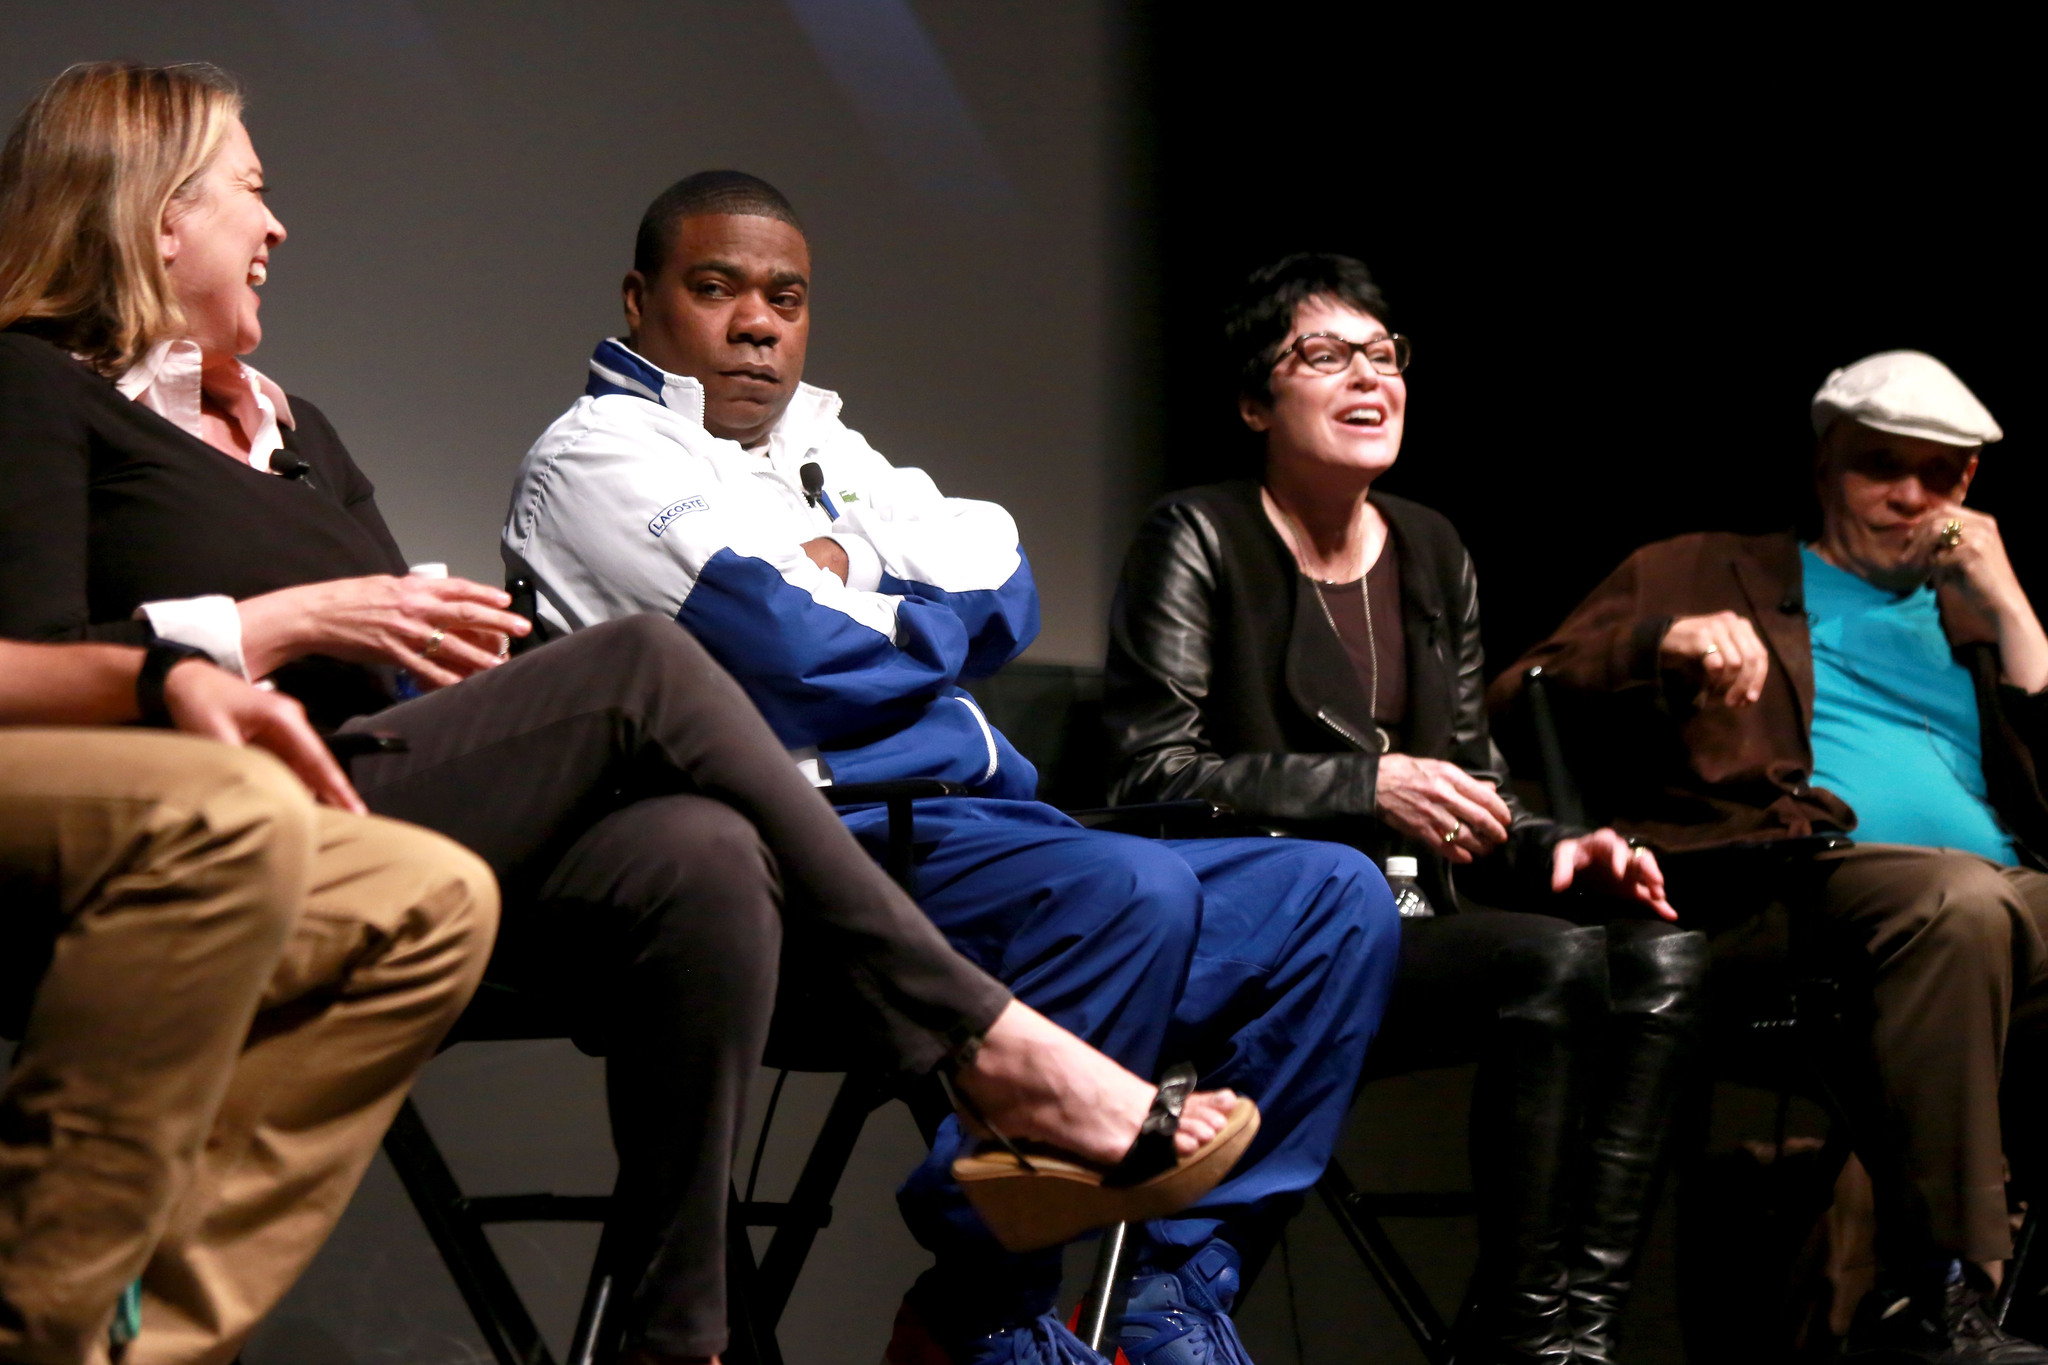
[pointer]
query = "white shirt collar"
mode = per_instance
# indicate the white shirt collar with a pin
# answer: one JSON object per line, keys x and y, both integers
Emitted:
{"x": 169, "y": 381}
{"x": 798, "y": 427}
{"x": 617, "y": 368}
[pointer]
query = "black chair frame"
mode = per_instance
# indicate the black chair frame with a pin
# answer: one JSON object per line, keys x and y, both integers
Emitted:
{"x": 761, "y": 1290}
{"x": 758, "y": 1289}
{"x": 1814, "y": 1002}
{"x": 1817, "y": 1011}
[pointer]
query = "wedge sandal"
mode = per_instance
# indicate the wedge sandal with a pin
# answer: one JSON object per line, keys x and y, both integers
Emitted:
{"x": 1033, "y": 1196}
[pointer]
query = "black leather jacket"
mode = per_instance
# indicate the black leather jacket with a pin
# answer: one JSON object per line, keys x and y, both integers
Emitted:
{"x": 1224, "y": 681}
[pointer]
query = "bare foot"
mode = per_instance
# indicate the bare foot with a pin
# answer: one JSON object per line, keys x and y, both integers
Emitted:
{"x": 1033, "y": 1079}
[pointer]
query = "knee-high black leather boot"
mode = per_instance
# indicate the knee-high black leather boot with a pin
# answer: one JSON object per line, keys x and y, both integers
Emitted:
{"x": 1524, "y": 1129}
{"x": 1654, "y": 975}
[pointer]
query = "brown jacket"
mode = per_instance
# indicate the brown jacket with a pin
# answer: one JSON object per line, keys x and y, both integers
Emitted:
{"x": 1681, "y": 776}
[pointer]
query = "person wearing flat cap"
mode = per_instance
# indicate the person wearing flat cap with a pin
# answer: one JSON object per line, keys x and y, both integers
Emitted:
{"x": 1884, "y": 681}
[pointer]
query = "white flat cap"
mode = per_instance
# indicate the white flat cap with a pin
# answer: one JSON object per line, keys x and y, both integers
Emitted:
{"x": 1908, "y": 393}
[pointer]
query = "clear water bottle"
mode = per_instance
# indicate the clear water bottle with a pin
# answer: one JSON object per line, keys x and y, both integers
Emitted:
{"x": 1408, "y": 897}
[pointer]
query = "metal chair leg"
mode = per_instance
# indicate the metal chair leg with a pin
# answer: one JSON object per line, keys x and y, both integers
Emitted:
{"x": 748, "y": 1315}
{"x": 595, "y": 1341}
{"x": 1102, "y": 1286}
{"x": 1377, "y": 1250}
{"x": 809, "y": 1206}
{"x": 2022, "y": 1248}
{"x": 900, "y": 862}
{"x": 506, "y": 1326}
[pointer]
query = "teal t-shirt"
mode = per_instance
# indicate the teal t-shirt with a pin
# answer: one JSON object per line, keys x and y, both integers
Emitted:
{"x": 1895, "y": 717}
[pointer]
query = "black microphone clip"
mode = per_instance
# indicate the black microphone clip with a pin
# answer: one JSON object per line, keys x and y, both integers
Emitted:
{"x": 814, "y": 483}
{"x": 289, "y": 465}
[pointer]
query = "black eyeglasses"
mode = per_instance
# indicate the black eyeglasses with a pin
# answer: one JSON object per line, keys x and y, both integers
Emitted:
{"x": 1328, "y": 353}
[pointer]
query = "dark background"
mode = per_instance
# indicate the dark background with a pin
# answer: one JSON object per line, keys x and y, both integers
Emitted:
{"x": 1628, "y": 252}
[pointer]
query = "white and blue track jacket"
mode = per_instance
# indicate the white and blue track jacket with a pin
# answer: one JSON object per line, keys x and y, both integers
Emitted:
{"x": 626, "y": 504}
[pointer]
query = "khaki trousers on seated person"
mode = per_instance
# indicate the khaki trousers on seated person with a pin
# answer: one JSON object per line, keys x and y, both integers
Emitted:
{"x": 1958, "y": 953}
{"x": 1952, "y": 951}
{"x": 240, "y": 988}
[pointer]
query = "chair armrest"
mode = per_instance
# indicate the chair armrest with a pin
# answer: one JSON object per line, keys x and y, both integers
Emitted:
{"x": 1195, "y": 819}
{"x": 525, "y": 595}
{"x": 1757, "y": 857}
{"x": 362, "y": 743}
{"x": 900, "y": 860}
{"x": 903, "y": 789}
{"x": 1560, "y": 787}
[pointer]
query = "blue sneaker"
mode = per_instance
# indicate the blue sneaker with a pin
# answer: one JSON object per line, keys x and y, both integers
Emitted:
{"x": 1182, "y": 1317}
{"x": 1044, "y": 1342}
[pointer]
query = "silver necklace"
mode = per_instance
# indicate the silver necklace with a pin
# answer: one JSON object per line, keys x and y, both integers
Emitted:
{"x": 1296, "y": 536}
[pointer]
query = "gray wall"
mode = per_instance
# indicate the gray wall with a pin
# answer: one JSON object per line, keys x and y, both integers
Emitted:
{"x": 461, "y": 180}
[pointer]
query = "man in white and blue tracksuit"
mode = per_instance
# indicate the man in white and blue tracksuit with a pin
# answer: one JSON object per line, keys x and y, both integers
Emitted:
{"x": 699, "y": 478}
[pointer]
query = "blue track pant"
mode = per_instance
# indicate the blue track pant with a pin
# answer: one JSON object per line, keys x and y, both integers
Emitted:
{"x": 1266, "y": 962}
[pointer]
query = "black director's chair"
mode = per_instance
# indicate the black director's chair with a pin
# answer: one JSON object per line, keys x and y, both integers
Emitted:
{"x": 1803, "y": 1038}
{"x": 1775, "y": 1045}
{"x": 758, "y": 1288}
{"x": 1053, "y": 713}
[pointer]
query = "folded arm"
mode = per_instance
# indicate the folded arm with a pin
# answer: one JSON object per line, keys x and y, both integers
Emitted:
{"x": 912, "y": 541}
{"x": 614, "y": 528}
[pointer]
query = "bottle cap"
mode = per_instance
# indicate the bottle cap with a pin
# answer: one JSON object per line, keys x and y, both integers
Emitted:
{"x": 1400, "y": 867}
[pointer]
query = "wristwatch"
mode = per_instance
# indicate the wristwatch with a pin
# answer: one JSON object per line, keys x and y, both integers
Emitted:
{"x": 157, "y": 662}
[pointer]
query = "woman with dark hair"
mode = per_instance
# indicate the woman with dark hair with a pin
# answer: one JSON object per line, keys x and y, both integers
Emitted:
{"x": 654, "y": 843}
{"x": 1306, "y": 650}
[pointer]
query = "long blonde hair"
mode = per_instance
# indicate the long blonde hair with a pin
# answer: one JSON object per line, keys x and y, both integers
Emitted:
{"x": 89, "y": 171}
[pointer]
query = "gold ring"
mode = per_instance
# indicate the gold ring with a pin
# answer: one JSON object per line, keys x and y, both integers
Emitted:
{"x": 1951, "y": 534}
{"x": 1451, "y": 834}
{"x": 433, "y": 643}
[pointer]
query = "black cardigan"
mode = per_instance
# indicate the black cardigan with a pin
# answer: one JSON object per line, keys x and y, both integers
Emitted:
{"x": 1225, "y": 682}
{"x": 105, "y": 505}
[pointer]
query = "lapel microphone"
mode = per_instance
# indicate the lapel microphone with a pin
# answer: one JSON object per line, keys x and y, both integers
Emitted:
{"x": 814, "y": 482}
{"x": 289, "y": 465}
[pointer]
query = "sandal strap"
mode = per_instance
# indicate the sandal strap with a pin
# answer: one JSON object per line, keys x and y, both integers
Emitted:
{"x": 959, "y": 1100}
{"x": 1152, "y": 1151}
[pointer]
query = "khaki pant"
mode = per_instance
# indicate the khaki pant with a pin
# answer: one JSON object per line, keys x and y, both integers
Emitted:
{"x": 240, "y": 988}
{"x": 1959, "y": 980}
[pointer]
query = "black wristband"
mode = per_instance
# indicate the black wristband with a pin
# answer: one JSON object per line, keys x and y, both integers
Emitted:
{"x": 157, "y": 662}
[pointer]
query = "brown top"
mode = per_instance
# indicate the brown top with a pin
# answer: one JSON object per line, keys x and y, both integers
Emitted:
{"x": 1374, "y": 639}
{"x": 1684, "y": 776}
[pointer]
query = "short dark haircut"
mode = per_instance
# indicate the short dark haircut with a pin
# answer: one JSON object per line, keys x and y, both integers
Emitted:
{"x": 706, "y": 192}
{"x": 1259, "y": 319}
